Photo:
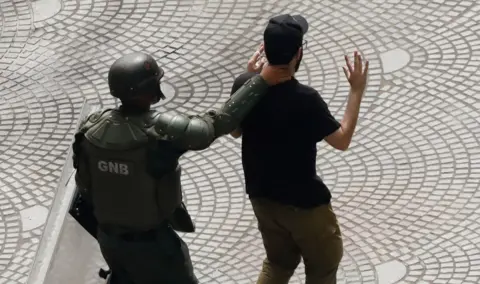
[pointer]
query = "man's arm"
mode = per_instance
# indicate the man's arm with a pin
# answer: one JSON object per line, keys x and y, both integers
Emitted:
{"x": 254, "y": 66}
{"x": 198, "y": 132}
{"x": 357, "y": 77}
{"x": 239, "y": 81}
{"x": 342, "y": 138}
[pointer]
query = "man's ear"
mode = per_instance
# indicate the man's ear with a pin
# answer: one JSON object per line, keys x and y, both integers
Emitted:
{"x": 299, "y": 53}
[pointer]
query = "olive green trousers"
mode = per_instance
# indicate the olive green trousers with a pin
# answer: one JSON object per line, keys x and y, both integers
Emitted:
{"x": 290, "y": 234}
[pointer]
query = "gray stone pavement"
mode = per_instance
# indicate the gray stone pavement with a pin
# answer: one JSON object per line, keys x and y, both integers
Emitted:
{"x": 406, "y": 193}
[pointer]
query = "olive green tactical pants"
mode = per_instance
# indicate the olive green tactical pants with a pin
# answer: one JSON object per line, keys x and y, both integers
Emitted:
{"x": 161, "y": 258}
{"x": 290, "y": 234}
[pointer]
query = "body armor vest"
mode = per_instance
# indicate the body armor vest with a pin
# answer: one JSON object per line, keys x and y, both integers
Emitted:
{"x": 132, "y": 179}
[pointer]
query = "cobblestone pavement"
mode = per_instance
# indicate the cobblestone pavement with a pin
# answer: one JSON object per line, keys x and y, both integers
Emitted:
{"x": 406, "y": 193}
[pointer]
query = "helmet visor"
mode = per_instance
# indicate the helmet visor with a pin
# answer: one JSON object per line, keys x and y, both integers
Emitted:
{"x": 151, "y": 86}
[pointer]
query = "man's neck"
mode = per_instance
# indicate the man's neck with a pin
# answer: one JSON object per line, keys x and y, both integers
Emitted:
{"x": 289, "y": 68}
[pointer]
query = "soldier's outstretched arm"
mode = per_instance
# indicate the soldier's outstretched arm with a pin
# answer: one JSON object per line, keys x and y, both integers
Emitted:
{"x": 198, "y": 132}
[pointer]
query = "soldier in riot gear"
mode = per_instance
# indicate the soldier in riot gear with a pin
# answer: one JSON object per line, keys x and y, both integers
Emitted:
{"x": 127, "y": 172}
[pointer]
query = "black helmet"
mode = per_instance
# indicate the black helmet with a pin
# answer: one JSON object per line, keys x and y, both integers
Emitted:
{"x": 135, "y": 75}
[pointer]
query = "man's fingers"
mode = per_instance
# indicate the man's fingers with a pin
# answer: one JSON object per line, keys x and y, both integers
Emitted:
{"x": 250, "y": 65}
{"x": 258, "y": 66}
{"x": 346, "y": 72}
{"x": 366, "y": 68}
{"x": 355, "y": 61}
{"x": 255, "y": 56}
{"x": 349, "y": 66}
{"x": 360, "y": 63}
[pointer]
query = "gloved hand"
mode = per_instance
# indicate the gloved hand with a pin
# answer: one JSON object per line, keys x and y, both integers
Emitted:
{"x": 181, "y": 220}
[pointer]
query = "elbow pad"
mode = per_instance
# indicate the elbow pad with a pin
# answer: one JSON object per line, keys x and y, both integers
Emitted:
{"x": 189, "y": 133}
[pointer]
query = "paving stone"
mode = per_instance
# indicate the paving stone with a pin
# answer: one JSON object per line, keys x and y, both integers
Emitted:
{"x": 405, "y": 193}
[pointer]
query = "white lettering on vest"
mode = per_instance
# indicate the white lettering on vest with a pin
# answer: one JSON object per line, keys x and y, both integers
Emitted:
{"x": 114, "y": 168}
{"x": 123, "y": 169}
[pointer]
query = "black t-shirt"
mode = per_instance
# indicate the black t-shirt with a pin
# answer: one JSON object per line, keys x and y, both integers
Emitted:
{"x": 279, "y": 144}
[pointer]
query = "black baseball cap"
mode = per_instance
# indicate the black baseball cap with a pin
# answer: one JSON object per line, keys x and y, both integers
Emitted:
{"x": 283, "y": 37}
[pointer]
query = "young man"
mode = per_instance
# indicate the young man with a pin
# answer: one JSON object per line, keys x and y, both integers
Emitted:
{"x": 291, "y": 202}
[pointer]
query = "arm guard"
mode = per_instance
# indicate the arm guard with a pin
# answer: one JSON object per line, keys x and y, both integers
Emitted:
{"x": 231, "y": 114}
{"x": 198, "y": 132}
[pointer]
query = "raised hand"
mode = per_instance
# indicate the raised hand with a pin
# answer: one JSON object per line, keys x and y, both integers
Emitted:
{"x": 356, "y": 75}
{"x": 256, "y": 62}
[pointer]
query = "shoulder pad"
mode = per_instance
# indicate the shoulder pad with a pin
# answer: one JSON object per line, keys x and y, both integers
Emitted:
{"x": 110, "y": 130}
{"x": 93, "y": 118}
